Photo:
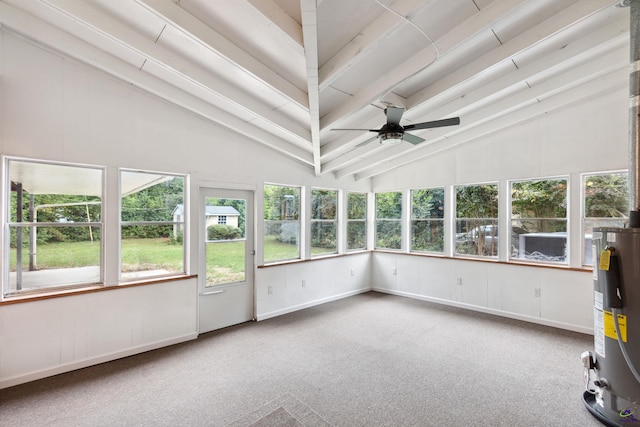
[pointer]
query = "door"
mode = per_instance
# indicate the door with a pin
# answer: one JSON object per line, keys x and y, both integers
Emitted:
{"x": 226, "y": 258}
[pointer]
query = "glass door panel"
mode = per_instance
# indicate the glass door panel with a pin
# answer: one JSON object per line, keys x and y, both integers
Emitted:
{"x": 225, "y": 240}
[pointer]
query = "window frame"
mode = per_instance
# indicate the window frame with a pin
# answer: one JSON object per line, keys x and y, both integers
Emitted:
{"x": 301, "y": 216}
{"x": 412, "y": 219}
{"x": 495, "y": 221}
{"x": 399, "y": 220}
{"x": 8, "y": 225}
{"x": 173, "y": 224}
{"x": 566, "y": 219}
{"x": 335, "y": 221}
{"x": 357, "y": 220}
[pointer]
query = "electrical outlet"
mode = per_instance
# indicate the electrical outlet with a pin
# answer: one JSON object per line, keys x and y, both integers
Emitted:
{"x": 458, "y": 280}
{"x": 536, "y": 292}
{"x": 304, "y": 283}
{"x": 269, "y": 289}
{"x": 394, "y": 271}
{"x": 353, "y": 272}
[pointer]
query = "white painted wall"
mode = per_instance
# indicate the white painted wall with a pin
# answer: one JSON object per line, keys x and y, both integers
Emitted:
{"x": 565, "y": 297}
{"x": 289, "y": 287}
{"x": 47, "y": 337}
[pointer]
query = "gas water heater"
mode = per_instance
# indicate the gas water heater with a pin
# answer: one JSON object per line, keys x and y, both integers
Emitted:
{"x": 612, "y": 380}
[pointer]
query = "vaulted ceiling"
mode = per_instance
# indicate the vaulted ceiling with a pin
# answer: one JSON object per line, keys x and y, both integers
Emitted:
{"x": 285, "y": 73}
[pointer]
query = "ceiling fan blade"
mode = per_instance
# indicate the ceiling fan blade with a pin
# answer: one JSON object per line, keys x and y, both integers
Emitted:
{"x": 394, "y": 114}
{"x": 361, "y": 130}
{"x": 453, "y": 121}
{"x": 413, "y": 139}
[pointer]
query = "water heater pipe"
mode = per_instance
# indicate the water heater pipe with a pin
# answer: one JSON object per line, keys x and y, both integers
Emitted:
{"x": 634, "y": 114}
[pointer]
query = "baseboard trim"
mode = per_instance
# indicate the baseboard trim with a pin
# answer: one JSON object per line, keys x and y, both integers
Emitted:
{"x": 84, "y": 363}
{"x": 276, "y": 313}
{"x": 487, "y": 310}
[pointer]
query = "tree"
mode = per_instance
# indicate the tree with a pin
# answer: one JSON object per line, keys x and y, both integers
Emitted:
{"x": 606, "y": 196}
{"x": 540, "y": 204}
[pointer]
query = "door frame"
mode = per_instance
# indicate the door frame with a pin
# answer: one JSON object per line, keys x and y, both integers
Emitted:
{"x": 222, "y": 191}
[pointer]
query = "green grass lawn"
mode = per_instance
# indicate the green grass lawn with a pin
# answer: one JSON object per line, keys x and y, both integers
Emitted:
{"x": 225, "y": 261}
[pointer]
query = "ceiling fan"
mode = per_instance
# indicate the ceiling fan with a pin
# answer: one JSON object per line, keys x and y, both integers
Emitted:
{"x": 392, "y": 132}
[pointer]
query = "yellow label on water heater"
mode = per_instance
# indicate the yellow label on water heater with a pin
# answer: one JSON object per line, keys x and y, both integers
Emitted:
{"x": 609, "y": 327}
{"x": 605, "y": 260}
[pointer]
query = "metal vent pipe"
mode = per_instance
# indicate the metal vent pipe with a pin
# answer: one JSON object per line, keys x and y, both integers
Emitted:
{"x": 634, "y": 114}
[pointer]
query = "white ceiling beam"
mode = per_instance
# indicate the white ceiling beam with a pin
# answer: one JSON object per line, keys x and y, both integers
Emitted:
{"x": 310, "y": 33}
{"x": 281, "y": 20}
{"x": 84, "y": 14}
{"x": 210, "y": 39}
{"x": 578, "y": 94}
{"x": 595, "y": 44}
{"x": 491, "y": 118}
{"x": 482, "y": 66}
{"x": 367, "y": 40}
{"x": 40, "y": 31}
{"x": 422, "y": 59}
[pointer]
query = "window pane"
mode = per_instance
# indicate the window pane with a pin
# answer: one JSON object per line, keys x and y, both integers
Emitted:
{"x": 356, "y": 234}
{"x": 606, "y": 204}
{"x": 477, "y": 220}
{"x": 323, "y": 204}
{"x": 427, "y": 203}
{"x": 281, "y": 223}
{"x": 539, "y": 240}
{"x": 54, "y": 260}
{"x": 323, "y": 221}
{"x": 389, "y": 220}
{"x": 225, "y": 247}
{"x": 539, "y": 220}
{"x": 150, "y": 256}
{"x": 357, "y": 221}
{"x": 54, "y": 215}
{"x": 388, "y": 234}
{"x": 477, "y": 201}
{"x": 545, "y": 198}
{"x": 152, "y": 232}
{"x": 477, "y": 237}
{"x": 389, "y": 205}
{"x": 357, "y": 206}
{"x": 323, "y": 238}
{"x": 427, "y": 236}
{"x": 427, "y": 226}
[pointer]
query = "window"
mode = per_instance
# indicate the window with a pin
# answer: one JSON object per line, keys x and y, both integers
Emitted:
{"x": 152, "y": 236}
{"x": 427, "y": 220}
{"x": 477, "y": 220}
{"x": 539, "y": 220}
{"x": 324, "y": 221}
{"x": 281, "y": 223}
{"x": 55, "y": 225}
{"x": 222, "y": 219}
{"x": 356, "y": 221}
{"x": 389, "y": 220}
{"x": 606, "y": 204}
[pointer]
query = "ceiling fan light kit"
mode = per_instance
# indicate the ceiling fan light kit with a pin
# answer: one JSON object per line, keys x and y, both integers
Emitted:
{"x": 390, "y": 138}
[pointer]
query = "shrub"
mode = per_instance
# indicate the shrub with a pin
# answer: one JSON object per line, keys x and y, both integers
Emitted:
{"x": 223, "y": 232}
